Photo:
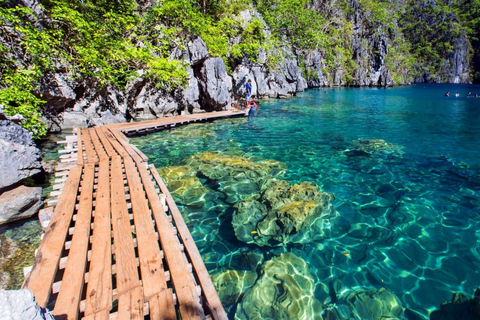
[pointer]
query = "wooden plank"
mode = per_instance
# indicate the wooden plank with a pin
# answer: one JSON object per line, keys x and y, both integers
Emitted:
{"x": 80, "y": 147}
{"x": 183, "y": 281}
{"x": 128, "y": 148}
{"x": 211, "y": 296}
{"x": 151, "y": 267}
{"x": 101, "y": 315}
{"x": 106, "y": 144}
{"x": 69, "y": 297}
{"x": 127, "y": 273}
{"x": 46, "y": 262}
{"x": 130, "y": 304}
{"x": 99, "y": 289}
{"x": 102, "y": 155}
{"x": 114, "y": 142}
{"x": 89, "y": 149}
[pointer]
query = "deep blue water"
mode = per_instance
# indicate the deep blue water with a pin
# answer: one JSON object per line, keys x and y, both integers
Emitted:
{"x": 409, "y": 218}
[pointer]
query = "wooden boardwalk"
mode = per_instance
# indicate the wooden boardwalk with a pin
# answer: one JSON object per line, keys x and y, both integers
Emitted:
{"x": 116, "y": 245}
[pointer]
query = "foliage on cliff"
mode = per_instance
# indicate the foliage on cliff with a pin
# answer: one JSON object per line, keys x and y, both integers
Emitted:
{"x": 111, "y": 41}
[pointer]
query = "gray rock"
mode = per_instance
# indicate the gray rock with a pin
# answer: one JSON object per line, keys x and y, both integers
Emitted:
{"x": 70, "y": 119}
{"x": 58, "y": 89}
{"x": 189, "y": 96}
{"x": 19, "y": 203}
{"x": 215, "y": 85}
{"x": 197, "y": 50}
{"x": 19, "y": 157}
{"x": 21, "y": 305}
{"x": 240, "y": 76}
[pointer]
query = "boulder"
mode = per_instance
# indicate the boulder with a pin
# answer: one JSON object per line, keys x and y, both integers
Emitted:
{"x": 459, "y": 307}
{"x": 183, "y": 183}
{"x": 19, "y": 203}
{"x": 70, "y": 119}
{"x": 284, "y": 290}
{"x": 284, "y": 214}
{"x": 19, "y": 157}
{"x": 188, "y": 97}
{"x": 197, "y": 51}
{"x": 21, "y": 305}
{"x": 215, "y": 85}
{"x": 232, "y": 284}
{"x": 366, "y": 304}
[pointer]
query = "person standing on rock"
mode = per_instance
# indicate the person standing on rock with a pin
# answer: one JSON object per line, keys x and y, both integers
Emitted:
{"x": 248, "y": 93}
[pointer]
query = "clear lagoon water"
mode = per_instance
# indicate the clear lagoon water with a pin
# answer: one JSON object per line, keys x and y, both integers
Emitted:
{"x": 408, "y": 218}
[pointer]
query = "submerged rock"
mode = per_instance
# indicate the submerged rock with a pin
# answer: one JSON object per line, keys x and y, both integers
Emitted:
{"x": 238, "y": 177}
{"x": 362, "y": 304}
{"x": 284, "y": 214}
{"x": 459, "y": 307}
{"x": 232, "y": 284}
{"x": 368, "y": 147}
{"x": 184, "y": 185}
{"x": 285, "y": 290}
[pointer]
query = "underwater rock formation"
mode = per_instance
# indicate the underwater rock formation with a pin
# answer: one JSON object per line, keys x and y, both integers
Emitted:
{"x": 232, "y": 284}
{"x": 362, "y": 304}
{"x": 368, "y": 147}
{"x": 183, "y": 184}
{"x": 285, "y": 290}
{"x": 238, "y": 177}
{"x": 284, "y": 214}
{"x": 460, "y": 307}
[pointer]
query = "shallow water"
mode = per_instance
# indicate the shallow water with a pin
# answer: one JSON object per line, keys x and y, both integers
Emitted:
{"x": 408, "y": 215}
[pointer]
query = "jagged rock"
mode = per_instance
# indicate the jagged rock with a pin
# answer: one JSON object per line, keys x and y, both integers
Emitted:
{"x": 70, "y": 119}
{"x": 58, "y": 89}
{"x": 19, "y": 203}
{"x": 19, "y": 157}
{"x": 285, "y": 290}
{"x": 197, "y": 50}
{"x": 361, "y": 304}
{"x": 189, "y": 96}
{"x": 232, "y": 284}
{"x": 314, "y": 66}
{"x": 21, "y": 305}
{"x": 284, "y": 214}
{"x": 240, "y": 76}
{"x": 215, "y": 85}
{"x": 183, "y": 184}
{"x": 459, "y": 307}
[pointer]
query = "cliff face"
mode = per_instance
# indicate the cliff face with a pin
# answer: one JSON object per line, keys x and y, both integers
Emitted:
{"x": 366, "y": 43}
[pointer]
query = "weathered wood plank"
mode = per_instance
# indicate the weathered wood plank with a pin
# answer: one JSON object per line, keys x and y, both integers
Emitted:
{"x": 99, "y": 289}
{"x": 130, "y": 304}
{"x": 137, "y": 156}
{"x": 80, "y": 147}
{"x": 151, "y": 267}
{"x": 42, "y": 276}
{"x": 89, "y": 149}
{"x": 106, "y": 143}
{"x": 127, "y": 273}
{"x": 183, "y": 282}
{"x": 114, "y": 142}
{"x": 102, "y": 155}
{"x": 211, "y": 296}
{"x": 68, "y": 300}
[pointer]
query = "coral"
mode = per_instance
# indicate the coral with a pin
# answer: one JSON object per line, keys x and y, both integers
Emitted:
{"x": 238, "y": 177}
{"x": 285, "y": 290}
{"x": 368, "y": 147}
{"x": 232, "y": 284}
{"x": 364, "y": 304}
{"x": 183, "y": 184}
{"x": 284, "y": 214}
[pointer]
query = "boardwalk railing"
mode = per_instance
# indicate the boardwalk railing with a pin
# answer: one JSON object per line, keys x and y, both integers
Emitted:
{"x": 116, "y": 245}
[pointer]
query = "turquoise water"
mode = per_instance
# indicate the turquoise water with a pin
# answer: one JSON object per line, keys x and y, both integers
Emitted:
{"x": 408, "y": 210}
